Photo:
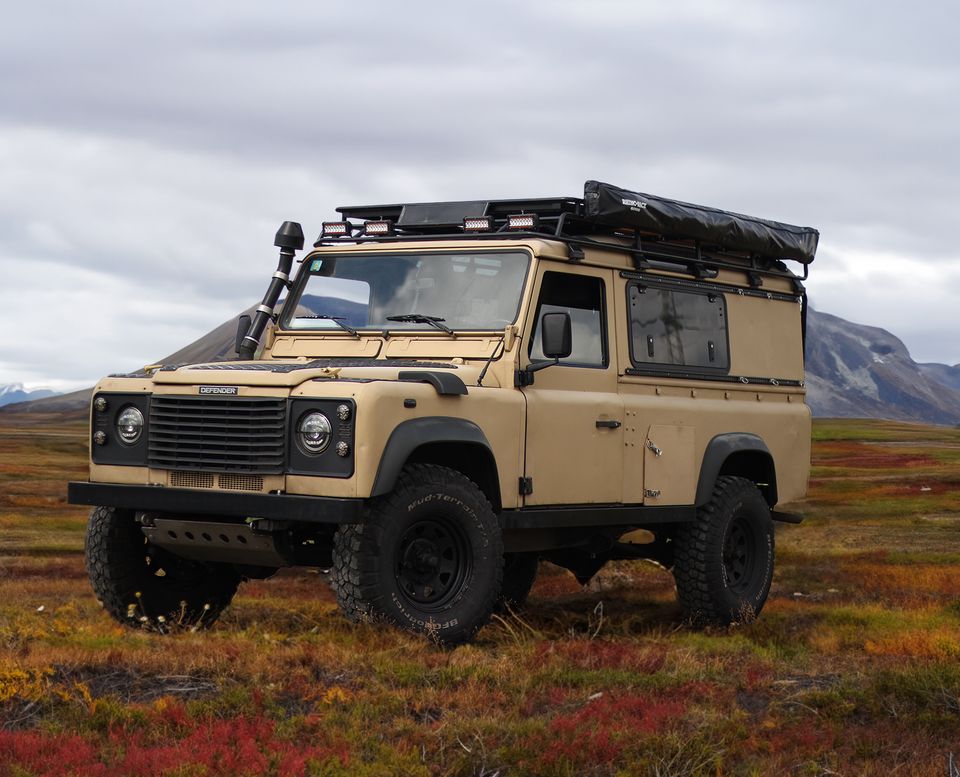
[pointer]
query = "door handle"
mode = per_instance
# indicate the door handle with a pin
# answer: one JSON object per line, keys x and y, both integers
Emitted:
{"x": 604, "y": 424}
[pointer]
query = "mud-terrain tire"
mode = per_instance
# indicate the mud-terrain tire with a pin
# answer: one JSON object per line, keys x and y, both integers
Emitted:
{"x": 428, "y": 557}
{"x": 144, "y": 586}
{"x": 519, "y": 575}
{"x": 723, "y": 561}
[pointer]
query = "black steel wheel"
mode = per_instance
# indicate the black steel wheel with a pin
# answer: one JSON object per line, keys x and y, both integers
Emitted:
{"x": 432, "y": 561}
{"x": 723, "y": 562}
{"x": 428, "y": 556}
{"x": 739, "y": 560}
{"x": 144, "y": 586}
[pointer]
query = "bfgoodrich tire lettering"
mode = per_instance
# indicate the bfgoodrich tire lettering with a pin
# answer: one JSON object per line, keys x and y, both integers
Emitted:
{"x": 428, "y": 557}
{"x": 143, "y": 586}
{"x": 724, "y": 559}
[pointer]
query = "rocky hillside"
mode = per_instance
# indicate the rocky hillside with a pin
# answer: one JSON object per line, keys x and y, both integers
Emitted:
{"x": 865, "y": 372}
{"x": 941, "y": 373}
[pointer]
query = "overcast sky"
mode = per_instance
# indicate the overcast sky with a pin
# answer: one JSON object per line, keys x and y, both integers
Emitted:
{"x": 148, "y": 152}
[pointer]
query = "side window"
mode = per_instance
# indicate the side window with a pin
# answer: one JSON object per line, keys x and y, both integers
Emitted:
{"x": 582, "y": 297}
{"x": 674, "y": 328}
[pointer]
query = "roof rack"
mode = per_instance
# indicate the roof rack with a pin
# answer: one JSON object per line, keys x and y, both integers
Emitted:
{"x": 656, "y": 232}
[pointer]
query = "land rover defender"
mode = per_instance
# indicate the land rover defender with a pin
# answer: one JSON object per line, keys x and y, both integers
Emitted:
{"x": 451, "y": 392}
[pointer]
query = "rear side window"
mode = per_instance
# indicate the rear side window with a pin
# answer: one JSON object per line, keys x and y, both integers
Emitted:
{"x": 672, "y": 328}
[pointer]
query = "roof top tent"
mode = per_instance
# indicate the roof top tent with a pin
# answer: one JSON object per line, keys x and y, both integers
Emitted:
{"x": 654, "y": 230}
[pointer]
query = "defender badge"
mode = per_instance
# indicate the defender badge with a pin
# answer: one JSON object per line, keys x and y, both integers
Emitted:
{"x": 228, "y": 390}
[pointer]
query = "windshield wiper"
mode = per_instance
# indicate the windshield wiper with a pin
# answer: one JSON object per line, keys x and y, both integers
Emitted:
{"x": 418, "y": 318}
{"x": 338, "y": 320}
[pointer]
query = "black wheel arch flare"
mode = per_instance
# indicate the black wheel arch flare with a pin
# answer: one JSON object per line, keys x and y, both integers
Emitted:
{"x": 411, "y": 438}
{"x": 741, "y": 454}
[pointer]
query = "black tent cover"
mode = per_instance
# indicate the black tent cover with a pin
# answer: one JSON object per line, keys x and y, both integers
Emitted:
{"x": 673, "y": 219}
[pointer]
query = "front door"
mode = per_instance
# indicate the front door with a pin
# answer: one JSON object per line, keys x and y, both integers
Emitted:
{"x": 574, "y": 435}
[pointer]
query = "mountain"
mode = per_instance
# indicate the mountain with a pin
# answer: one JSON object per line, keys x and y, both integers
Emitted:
{"x": 857, "y": 371}
{"x": 216, "y": 344}
{"x": 75, "y": 401}
{"x": 942, "y": 373}
{"x": 853, "y": 371}
{"x": 15, "y": 392}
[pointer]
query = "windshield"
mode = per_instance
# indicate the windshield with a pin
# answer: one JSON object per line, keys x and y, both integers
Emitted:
{"x": 459, "y": 290}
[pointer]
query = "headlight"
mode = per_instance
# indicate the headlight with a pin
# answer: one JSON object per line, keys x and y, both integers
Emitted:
{"x": 130, "y": 425}
{"x": 314, "y": 432}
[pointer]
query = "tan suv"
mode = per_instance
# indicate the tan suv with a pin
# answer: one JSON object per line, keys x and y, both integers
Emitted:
{"x": 452, "y": 392}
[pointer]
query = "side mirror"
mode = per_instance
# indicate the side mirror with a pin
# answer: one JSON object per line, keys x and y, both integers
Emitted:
{"x": 556, "y": 338}
{"x": 243, "y": 326}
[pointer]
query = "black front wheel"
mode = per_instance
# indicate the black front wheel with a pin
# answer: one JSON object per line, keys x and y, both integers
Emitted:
{"x": 144, "y": 586}
{"x": 723, "y": 562}
{"x": 428, "y": 556}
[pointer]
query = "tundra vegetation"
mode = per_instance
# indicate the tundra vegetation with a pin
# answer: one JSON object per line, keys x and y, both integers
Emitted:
{"x": 851, "y": 669}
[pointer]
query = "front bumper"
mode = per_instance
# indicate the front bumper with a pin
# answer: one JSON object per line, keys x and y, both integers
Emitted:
{"x": 188, "y": 501}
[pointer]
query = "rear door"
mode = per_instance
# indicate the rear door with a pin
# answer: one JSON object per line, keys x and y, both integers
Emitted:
{"x": 574, "y": 434}
{"x": 674, "y": 344}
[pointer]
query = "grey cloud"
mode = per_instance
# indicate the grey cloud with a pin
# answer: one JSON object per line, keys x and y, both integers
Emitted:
{"x": 76, "y": 334}
{"x": 164, "y": 147}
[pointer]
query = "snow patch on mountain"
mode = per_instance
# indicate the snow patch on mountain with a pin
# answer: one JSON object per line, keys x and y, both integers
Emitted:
{"x": 15, "y": 392}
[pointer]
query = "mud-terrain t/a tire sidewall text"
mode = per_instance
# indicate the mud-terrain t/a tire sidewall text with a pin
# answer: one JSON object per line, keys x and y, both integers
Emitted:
{"x": 724, "y": 559}
{"x": 128, "y": 586}
{"x": 428, "y": 556}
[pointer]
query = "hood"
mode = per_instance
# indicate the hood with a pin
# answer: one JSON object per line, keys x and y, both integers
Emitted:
{"x": 278, "y": 373}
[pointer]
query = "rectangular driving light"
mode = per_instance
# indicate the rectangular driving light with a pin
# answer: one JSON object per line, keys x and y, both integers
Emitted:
{"x": 378, "y": 228}
{"x": 477, "y": 224}
{"x": 524, "y": 221}
{"x": 335, "y": 229}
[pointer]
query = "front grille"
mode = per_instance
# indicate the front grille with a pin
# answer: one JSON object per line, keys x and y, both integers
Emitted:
{"x": 213, "y": 434}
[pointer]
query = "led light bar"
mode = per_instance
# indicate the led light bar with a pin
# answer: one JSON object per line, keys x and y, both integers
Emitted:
{"x": 477, "y": 224}
{"x": 335, "y": 229}
{"x": 525, "y": 221}
{"x": 377, "y": 228}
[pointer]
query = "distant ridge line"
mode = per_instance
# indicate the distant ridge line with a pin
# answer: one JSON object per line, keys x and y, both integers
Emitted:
{"x": 852, "y": 371}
